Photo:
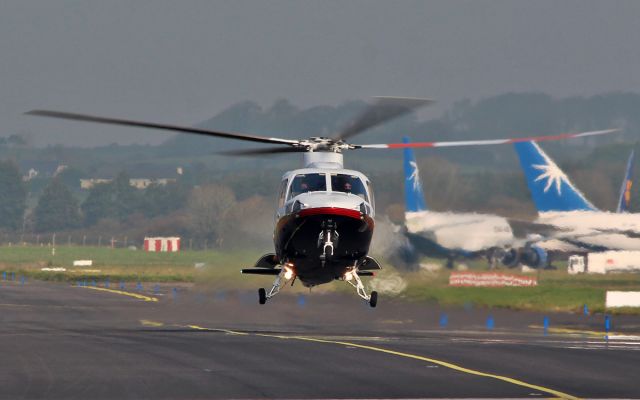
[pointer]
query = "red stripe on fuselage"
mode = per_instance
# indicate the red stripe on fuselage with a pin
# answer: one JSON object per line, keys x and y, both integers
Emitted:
{"x": 345, "y": 212}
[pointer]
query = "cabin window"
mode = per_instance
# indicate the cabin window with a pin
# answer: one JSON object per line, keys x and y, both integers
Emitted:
{"x": 282, "y": 192}
{"x": 304, "y": 183}
{"x": 348, "y": 184}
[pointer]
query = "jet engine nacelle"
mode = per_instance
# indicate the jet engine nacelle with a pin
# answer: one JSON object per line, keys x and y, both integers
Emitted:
{"x": 534, "y": 257}
{"x": 509, "y": 257}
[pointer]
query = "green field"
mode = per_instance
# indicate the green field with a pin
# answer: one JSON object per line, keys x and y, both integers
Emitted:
{"x": 124, "y": 264}
{"x": 557, "y": 291}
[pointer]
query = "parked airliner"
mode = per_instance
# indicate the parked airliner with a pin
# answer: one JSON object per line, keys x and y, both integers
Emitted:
{"x": 575, "y": 223}
{"x": 451, "y": 235}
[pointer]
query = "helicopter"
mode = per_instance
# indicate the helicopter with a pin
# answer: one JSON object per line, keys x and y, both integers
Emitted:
{"x": 324, "y": 220}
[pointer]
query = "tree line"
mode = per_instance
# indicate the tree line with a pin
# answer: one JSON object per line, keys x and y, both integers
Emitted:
{"x": 210, "y": 212}
{"x": 224, "y": 199}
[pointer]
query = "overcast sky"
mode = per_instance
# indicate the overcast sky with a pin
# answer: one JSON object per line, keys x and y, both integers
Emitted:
{"x": 184, "y": 61}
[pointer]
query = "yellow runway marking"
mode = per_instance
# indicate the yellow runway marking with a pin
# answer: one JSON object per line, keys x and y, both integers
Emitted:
{"x": 575, "y": 331}
{"x": 134, "y": 295}
{"x": 146, "y": 322}
{"x": 437, "y": 362}
{"x": 155, "y": 324}
{"x": 445, "y": 364}
{"x": 201, "y": 328}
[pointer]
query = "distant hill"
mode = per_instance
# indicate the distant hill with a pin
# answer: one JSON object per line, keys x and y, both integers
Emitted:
{"x": 511, "y": 114}
{"x": 475, "y": 179}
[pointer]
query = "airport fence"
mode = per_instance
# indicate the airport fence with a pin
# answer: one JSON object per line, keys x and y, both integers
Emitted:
{"x": 94, "y": 240}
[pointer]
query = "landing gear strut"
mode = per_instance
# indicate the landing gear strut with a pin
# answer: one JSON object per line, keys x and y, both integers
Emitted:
{"x": 354, "y": 280}
{"x": 328, "y": 239}
{"x": 285, "y": 275}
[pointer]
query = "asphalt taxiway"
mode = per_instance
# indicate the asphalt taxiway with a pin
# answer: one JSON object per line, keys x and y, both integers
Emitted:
{"x": 61, "y": 341}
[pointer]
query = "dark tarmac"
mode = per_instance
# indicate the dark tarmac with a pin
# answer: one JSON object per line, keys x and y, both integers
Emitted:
{"x": 59, "y": 341}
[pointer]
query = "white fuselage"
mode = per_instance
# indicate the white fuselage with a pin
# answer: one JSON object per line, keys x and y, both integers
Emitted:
{"x": 467, "y": 232}
{"x": 615, "y": 231}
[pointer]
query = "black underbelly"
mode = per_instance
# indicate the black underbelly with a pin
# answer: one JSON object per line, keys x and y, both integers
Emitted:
{"x": 297, "y": 242}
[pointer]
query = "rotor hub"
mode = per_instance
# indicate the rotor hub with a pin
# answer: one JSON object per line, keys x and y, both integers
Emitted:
{"x": 324, "y": 144}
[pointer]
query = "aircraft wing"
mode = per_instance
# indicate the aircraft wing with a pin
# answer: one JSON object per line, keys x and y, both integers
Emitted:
{"x": 522, "y": 228}
{"x": 629, "y": 233}
{"x": 549, "y": 236}
{"x": 554, "y": 239}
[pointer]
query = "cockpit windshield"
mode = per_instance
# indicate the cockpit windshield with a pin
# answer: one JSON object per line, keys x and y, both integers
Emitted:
{"x": 304, "y": 183}
{"x": 348, "y": 184}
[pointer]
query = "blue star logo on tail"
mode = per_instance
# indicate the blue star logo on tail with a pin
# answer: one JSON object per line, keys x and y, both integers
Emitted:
{"x": 552, "y": 174}
{"x": 413, "y": 195}
{"x": 550, "y": 187}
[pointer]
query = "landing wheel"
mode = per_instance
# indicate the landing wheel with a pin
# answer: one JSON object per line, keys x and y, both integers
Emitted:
{"x": 373, "y": 301}
{"x": 262, "y": 296}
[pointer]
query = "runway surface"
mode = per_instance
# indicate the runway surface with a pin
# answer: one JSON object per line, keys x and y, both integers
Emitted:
{"x": 60, "y": 341}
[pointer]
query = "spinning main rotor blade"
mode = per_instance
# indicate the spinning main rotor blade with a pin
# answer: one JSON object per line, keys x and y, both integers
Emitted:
{"x": 485, "y": 142}
{"x": 382, "y": 110}
{"x": 264, "y": 151}
{"x": 153, "y": 125}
